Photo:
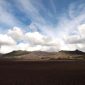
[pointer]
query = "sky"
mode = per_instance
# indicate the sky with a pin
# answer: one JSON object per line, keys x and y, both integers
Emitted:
{"x": 42, "y": 25}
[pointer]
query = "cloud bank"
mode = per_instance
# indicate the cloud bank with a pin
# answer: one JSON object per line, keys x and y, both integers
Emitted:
{"x": 17, "y": 39}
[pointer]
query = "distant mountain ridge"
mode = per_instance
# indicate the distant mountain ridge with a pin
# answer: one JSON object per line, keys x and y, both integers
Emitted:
{"x": 78, "y": 52}
{"x": 42, "y": 55}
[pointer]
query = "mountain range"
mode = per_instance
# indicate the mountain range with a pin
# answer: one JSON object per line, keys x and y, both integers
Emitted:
{"x": 42, "y": 55}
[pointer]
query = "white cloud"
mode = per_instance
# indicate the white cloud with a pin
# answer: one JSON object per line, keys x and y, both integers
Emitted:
{"x": 7, "y": 44}
{"x": 16, "y": 33}
{"x": 22, "y": 46}
{"x": 28, "y": 47}
{"x": 81, "y": 29}
{"x": 68, "y": 47}
{"x": 7, "y": 49}
{"x": 34, "y": 48}
{"x": 6, "y": 40}
{"x": 76, "y": 41}
{"x": 37, "y": 38}
{"x": 71, "y": 39}
{"x": 76, "y": 38}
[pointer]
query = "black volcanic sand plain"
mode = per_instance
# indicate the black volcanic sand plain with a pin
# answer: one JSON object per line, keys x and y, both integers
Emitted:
{"x": 59, "y": 72}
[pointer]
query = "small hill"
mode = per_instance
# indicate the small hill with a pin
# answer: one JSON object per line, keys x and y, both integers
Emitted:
{"x": 14, "y": 54}
{"x": 17, "y": 53}
{"x": 71, "y": 54}
{"x": 76, "y": 52}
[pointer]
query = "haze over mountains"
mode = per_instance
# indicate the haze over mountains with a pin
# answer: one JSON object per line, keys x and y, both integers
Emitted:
{"x": 42, "y": 55}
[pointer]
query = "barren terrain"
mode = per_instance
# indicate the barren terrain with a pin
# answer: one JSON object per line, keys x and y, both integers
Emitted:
{"x": 42, "y": 72}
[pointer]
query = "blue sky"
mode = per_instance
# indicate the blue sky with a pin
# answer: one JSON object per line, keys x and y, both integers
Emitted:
{"x": 57, "y": 19}
{"x": 23, "y": 13}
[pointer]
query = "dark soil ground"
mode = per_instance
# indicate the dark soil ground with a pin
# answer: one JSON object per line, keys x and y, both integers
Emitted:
{"x": 42, "y": 72}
